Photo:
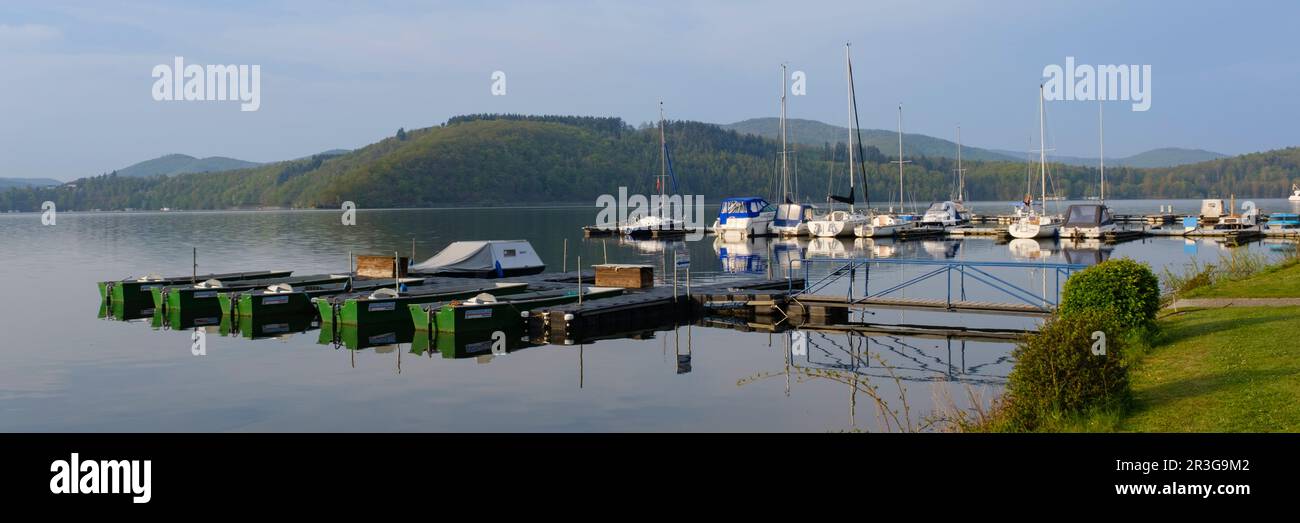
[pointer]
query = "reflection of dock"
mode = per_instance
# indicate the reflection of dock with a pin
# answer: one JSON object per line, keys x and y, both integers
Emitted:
{"x": 807, "y": 303}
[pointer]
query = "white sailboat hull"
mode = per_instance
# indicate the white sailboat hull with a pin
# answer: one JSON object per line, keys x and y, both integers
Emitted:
{"x": 879, "y": 231}
{"x": 788, "y": 231}
{"x": 1033, "y": 229}
{"x": 834, "y": 228}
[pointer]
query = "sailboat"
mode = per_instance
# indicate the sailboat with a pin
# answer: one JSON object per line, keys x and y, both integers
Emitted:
{"x": 657, "y": 219}
{"x": 951, "y": 213}
{"x": 888, "y": 224}
{"x": 842, "y": 223}
{"x": 1295, "y": 192}
{"x": 792, "y": 217}
{"x": 1036, "y": 223}
{"x": 1092, "y": 220}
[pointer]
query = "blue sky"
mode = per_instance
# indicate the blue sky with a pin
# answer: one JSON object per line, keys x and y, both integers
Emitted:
{"x": 75, "y": 97}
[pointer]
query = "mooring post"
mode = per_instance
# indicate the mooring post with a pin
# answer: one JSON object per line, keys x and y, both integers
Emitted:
{"x": 564, "y": 265}
{"x": 397, "y": 278}
{"x": 579, "y": 277}
{"x": 604, "y": 247}
{"x": 194, "y": 267}
{"x": 350, "y": 273}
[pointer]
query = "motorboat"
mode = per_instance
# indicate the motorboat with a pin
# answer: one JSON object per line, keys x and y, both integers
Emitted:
{"x": 745, "y": 217}
{"x": 1088, "y": 220}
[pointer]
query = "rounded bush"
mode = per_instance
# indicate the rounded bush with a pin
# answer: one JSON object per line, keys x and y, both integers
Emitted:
{"x": 1057, "y": 371}
{"x": 1127, "y": 292}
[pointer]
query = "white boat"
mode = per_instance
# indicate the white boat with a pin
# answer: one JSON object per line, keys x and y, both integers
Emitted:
{"x": 944, "y": 214}
{"x": 1295, "y": 193}
{"x": 1036, "y": 223}
{"x": 483, "y": 259}
{"x": 1088, "y": 220}
{"x": 890, "y": 223}
{"x": 1091, "y": 220}
{"x": 881, "y": 226}
{"x": 837, "y": 223}
{"x": 744, "y": 217}
{"x": 657, "y": 219}
{"x": 843, "y": 223}
{"x": 791, "y": 218}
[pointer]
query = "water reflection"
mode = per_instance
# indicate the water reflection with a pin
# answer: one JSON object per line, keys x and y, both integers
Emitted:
{"x": 878, "y": 369}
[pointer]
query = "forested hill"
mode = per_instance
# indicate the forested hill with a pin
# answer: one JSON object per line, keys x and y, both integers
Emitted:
{"x": 515, "y": 159}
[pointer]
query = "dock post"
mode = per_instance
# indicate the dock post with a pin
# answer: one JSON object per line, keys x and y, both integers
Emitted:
{"x": 412, "y": 260}
{"x": 564, "y": 265}
{"x": 566, "y": 242}
{"x": 397, "y": 275}
{"x": 605, "y": 248}
{"x": 194, "y": 267}
{"x": 350, "y": 269}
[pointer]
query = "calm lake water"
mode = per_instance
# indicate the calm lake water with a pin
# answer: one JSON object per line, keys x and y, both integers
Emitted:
{"x": 65, "y": 369}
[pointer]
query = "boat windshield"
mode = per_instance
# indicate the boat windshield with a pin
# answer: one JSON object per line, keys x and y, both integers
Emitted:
{"x": 1087, "y": 215}
{"x": 938, "y": 208}
{"x": 734, "y": 208}
{"x": 789, "y": 211}
{"x": 744, "y": 207}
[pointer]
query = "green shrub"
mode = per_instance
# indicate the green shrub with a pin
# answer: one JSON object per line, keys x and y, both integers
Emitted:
{"x": 1125, "y": 291}
{"x": 1056, "y": 373}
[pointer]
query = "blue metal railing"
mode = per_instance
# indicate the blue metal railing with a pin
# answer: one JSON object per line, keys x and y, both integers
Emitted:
{"x": 974, "y": 270}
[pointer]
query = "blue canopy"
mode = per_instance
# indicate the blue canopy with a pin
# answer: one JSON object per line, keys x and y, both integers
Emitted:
{"x": 742, "y": 207}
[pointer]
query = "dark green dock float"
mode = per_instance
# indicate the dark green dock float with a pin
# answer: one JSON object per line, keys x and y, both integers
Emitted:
{"x": 487, "y": 316}
{"x": 382, "y": 306}
{"x": 206, "y": 295}
{"x": 133, "y": 290}
{"x": 297, "y": 301}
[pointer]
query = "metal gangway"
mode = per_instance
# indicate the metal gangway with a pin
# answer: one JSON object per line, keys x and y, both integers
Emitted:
{"x": 958, "y": 274}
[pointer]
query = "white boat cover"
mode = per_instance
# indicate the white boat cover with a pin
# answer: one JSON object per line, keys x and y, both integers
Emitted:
{"x": 476, "y": 257}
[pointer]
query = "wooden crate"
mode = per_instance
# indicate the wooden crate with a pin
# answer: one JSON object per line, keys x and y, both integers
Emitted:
{"x": 381, "y": 266}
{"x": 625, "y": 276}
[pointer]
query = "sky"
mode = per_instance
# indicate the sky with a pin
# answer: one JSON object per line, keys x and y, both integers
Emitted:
{"x": 76, "y": 91}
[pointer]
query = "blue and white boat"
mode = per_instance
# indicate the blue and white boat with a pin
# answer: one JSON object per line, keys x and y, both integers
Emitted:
{"x": 744, "y": 217}
{"x": 1283, "y": 222}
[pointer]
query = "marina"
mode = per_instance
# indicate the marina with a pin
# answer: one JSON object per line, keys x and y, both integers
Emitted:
{"x": 627, "y": 330}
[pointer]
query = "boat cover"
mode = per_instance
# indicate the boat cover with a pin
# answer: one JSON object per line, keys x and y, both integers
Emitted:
{"x": 1087, "y": 215}
{"x": 479, "y": 257}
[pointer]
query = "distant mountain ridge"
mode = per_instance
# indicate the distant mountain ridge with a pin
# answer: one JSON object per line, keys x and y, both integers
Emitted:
{"x": 6, "y": 183}
{"x": 1162, "y": 157}
{"x": 495, "y": 159}
{"x": 812, "y": 132}
{"x": 173, "y": 164}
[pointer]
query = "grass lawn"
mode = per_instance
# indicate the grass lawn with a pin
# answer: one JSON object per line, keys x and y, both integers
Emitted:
{"x": 1279, "y": 282}
{"x": 1222, "y": 370}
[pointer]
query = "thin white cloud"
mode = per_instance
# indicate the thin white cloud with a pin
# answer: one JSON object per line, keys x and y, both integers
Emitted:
{"x": 27, "y": 35}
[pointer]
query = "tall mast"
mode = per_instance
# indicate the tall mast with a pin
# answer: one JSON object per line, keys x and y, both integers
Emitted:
{"x": 1042, "y": 149}
{"x": 961, "y": 173}
{"x": 848, "y": 80}
{"x": 900, "y": 161}
{"x": 663, "y": 155}
{"x": 1101, "y": 141}
{"x": 785, "y": 168}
